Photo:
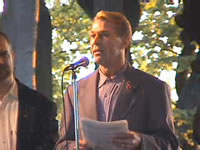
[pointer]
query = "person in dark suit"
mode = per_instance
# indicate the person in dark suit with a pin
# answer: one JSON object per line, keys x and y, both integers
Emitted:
{"x": 27, "y": 118}
{"x": 117, "y": 91}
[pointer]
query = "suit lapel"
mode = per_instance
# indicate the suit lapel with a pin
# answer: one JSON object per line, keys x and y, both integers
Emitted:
{"x": 88, "y": 97}
{"x": 130, "y": 92}
{"x": 26, "y": 116}
{"x": 127, "y": 95}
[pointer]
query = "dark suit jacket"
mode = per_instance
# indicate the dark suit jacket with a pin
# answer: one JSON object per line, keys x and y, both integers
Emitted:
{"x": 143, "y": 100}
{"x": 37, "y": 126}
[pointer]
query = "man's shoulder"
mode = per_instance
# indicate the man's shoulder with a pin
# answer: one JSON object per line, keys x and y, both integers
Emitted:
{"x": 89, "y": 77}
{"x": 145, "y": 78}
{"x": 25, "y": 89}
{"x": 84, "y": 83}
{"x": 28, "y": 94}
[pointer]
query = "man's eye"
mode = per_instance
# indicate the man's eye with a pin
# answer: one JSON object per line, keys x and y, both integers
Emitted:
{"x": 92, "y": 35}
{"x": 105, "y": 34}
{"x": 4, "y": 54}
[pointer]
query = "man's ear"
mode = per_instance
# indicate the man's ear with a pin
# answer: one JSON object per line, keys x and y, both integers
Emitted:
{"x": 13, "y": 56}
{"x": 125, "y": 43}
{"x": 13, "y": 53}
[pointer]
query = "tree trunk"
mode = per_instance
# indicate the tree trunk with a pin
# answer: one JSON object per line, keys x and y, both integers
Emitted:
{"x": 188, "y": 87}
{"x": 43, "y": 48}
{"x": 18, "y": 22}
{"x": 28, "y": 25}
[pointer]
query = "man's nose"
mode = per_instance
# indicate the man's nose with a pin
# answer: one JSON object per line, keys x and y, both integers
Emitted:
{"x": 2, "y": 60}
{"x": 96, "y": 39}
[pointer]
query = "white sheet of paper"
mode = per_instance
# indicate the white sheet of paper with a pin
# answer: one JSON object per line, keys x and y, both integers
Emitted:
{"x": 99, "y": 133}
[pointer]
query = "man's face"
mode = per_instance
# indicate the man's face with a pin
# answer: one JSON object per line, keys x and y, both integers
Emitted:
{"x": 6, "y": 60}
{"x": 107, "y": 47}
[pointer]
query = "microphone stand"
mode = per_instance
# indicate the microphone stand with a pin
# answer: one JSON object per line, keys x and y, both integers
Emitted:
{"x": 76, "y": 108}
{"x": 82, "y": 62}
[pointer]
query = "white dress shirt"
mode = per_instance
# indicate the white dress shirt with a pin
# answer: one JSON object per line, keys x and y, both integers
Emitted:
{"x": 8, "y": 119}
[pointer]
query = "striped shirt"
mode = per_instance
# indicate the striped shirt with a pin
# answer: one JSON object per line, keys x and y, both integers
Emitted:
{"x": 8, "y": 119}
{"x": 108, "y": 89}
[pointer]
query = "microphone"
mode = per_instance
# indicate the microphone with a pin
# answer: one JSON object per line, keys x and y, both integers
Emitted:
{"x": 84, "y": 61}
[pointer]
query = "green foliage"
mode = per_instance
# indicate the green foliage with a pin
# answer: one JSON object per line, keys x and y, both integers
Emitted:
{"x": 183, "y": 125}
{"x": 157, "y": 50}
{"x": 70, "y": 38}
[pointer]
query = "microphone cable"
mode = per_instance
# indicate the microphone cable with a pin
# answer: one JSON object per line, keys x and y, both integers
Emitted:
{"x": 64, "y": 110}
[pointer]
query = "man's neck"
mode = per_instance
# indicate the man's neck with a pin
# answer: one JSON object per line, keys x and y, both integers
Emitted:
{"x": 5, "y": 86}
{"x": 112, "y": 70}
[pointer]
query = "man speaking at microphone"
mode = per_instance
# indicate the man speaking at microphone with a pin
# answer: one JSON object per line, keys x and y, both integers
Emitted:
{"x": 117, "y": 91}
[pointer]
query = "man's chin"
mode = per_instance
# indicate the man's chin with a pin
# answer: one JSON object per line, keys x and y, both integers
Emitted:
{"x": 98, "y": 60}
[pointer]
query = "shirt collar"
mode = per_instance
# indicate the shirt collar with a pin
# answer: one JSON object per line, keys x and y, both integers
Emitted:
{"x": 103, "y": 78}
{"x": 13, "y": 92}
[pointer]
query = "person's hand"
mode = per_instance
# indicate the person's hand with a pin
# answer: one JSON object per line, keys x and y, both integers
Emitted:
{"x": 83, "y": 145}
{"x": 127, "y": 141}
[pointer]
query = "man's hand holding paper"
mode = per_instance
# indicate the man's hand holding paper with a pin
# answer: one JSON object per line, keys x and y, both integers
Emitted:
{"x": 127, "y": 141}
{"x": 100, "y": 134}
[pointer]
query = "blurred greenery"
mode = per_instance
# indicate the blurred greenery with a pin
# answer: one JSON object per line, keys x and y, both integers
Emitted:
{"x": 70, "y": 38}
{"x": 157, "y": 50}
{"x": 183, "y": 125}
